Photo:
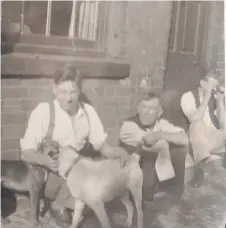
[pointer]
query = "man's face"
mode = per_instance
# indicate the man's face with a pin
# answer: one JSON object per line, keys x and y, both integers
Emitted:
{"x": 67, "y": 94}
{"x": 204, "y": 83}
{"x": 149, "y": 111}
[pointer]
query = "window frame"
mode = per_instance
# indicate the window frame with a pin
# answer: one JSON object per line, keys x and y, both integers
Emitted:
{"x": 35, "y": 41}
{"x": 24, "y": 55}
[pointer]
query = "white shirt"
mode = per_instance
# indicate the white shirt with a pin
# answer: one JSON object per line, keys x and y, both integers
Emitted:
{"x": 131, "y": 133}
{"x": 68, "y": 131}
{"x": 188, "y": 106}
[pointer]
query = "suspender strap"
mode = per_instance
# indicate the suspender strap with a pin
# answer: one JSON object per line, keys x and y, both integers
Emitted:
{"x": 49, "y": 135}
{"x": 212, "y": 108}
{"x": 86, "y": 113}
{"x": 87, "y": 145}
{"x": 211, "y": 105}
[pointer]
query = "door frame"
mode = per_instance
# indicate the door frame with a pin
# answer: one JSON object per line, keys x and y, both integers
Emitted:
{"x": 204, "y": 63}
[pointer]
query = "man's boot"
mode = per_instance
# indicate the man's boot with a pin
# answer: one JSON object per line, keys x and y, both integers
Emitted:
{"x": 198, "y": 178}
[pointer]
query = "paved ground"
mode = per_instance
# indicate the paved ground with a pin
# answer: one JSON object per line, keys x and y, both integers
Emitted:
{"x": 200, "y": 208}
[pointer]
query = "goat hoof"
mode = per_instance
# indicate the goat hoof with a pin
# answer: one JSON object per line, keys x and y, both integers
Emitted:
{"x": 37, "y": 225}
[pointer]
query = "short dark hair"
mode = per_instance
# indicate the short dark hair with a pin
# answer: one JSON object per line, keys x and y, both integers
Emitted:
{"x": 208, "y": 73}
{"x": 151, "y": 95}
{"x": 68, "y": 73}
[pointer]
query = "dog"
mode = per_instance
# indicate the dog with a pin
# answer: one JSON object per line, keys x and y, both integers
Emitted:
{"x": 20, "y": 176}
{"x": 94, "y": 182}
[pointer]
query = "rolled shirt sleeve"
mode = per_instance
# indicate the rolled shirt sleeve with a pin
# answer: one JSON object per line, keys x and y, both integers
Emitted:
{"x": 165, "y": 125}
{"x": 35, "y": 128}
{"x": 188, "y": 104}
{"x": 131, "y": 134}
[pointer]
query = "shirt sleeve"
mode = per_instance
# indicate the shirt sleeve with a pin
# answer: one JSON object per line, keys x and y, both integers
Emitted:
{"x": 188, "y": 104}
{"x": 97, "y": 135}
{"x": 35, "y": 130}
{"x": 130, "y": 133}
{"x": 165, "y": 125}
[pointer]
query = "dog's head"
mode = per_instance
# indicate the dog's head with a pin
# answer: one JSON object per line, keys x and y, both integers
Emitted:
{"x": 49, "y": 148}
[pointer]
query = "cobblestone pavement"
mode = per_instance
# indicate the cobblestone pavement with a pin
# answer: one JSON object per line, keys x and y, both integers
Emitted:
{"x": 200, "y": 208}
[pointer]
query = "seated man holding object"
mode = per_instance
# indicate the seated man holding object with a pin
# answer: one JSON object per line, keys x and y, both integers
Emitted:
{"x": 154, "y": 134}
{"x": 205, "y": 111}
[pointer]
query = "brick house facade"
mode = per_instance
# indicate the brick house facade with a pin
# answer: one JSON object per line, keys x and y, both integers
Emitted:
{"x": 139, "y": 33}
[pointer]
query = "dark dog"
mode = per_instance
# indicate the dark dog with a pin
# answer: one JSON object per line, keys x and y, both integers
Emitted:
{"x": 20, "y": 176}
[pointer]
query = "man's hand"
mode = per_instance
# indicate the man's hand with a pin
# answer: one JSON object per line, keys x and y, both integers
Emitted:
{"x": 220, "y": 94}
{"x": 115, "y": 152}
{"x": 152, "y": 137}
{"x": 123, "y": 156}
{"x": 51, "y": 162}
{"x": 211, "y": 85}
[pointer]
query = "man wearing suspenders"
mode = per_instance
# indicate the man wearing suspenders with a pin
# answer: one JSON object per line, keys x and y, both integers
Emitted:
{"x": 205, "y": 111}
{"x": 68, "y": 122}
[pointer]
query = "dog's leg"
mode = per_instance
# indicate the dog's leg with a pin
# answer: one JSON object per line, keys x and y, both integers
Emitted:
{"x": 36, "y": 180}
{"x": 46, "y": 207}
{"x": 129, "y": 208}
{"x": 34, "y": 205}
{"x": 77, "y": 216}
{"x": 136, "y": 189}
{"x": 100, "y": 212}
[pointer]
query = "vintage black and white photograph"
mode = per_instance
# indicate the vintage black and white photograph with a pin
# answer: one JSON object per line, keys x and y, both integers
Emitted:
{"x": 113, "y": 114}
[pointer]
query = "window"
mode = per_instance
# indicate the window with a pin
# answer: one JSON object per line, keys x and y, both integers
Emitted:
{"x": 38, "y": 36}
{"x": 70, "y": 24}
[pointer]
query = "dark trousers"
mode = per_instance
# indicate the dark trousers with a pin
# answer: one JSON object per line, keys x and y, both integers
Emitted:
{"x": 151, "y": 183}
{"x": 147, "y": 164}
{"x": 178, "y": 158}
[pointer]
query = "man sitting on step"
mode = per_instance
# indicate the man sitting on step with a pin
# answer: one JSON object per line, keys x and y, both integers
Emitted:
{"x": 154, "y": 134}
{"x": 205, "y": 110}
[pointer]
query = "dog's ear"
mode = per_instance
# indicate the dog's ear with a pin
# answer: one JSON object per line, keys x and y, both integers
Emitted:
{"x": 49, "y": 148}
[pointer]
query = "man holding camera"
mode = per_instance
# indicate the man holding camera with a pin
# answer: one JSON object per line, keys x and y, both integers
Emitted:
{"x": 205, "y": 111}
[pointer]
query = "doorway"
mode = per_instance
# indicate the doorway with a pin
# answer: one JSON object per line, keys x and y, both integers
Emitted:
{"x": 186, "y": 53}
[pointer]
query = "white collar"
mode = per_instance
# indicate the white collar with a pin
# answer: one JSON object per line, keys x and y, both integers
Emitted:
{"x": 78, "y": 114}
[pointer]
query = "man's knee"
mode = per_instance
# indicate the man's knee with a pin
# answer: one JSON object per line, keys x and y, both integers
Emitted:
{"x": 161, "y": 145}
{"x": 196, "y": 127}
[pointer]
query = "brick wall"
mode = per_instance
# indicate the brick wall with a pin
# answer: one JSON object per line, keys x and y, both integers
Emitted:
{"x": 215, "y": 44}
{"x": 143, "y": 42}
{"x": 142, "y": 33}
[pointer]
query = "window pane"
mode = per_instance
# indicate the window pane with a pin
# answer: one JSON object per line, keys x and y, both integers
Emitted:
{"x": 11, "y": 16}
{"x": 35, "y": 16}
{"x": 60, "y": 18}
